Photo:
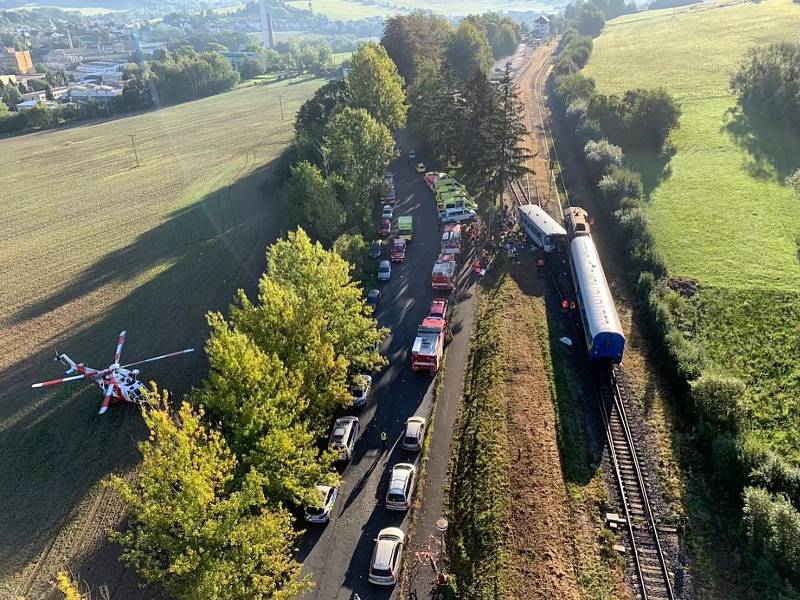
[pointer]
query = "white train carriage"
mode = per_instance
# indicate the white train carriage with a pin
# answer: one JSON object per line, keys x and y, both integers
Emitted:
{"x": 605, "y": 340}
{"x": 540, "y": 227}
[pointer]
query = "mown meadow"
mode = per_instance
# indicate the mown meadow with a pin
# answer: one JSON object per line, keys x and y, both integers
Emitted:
{"x": 717, "y": 202}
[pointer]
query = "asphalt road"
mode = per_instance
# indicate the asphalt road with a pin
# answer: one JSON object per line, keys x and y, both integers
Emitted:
{"x": 337, "y": 555}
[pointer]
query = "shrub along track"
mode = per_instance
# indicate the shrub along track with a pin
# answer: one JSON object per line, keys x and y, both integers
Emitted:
{"x": 97, "y": 247}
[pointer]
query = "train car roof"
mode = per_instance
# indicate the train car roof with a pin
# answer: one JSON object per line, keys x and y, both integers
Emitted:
{"x": 598, "y": 304}
{"x": 541, "y": 219}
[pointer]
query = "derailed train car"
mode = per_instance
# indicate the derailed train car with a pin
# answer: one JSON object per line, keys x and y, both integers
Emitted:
{"x": 605, "y": 340}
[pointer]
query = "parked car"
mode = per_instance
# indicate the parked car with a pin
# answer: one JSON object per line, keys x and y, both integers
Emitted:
{"x": 387, "y": 557}
{"x": 387, "y": 212}
{"x": 386, "y": 228}
{"x": 374, "y": 298}
{"x": 402, "y": 482}
{"x": 375, "y": 249}
{"x": 322, "y": 513}
{"x": 360, "y": 390}
{"x": 414, "y": 434}
{"x": 384, "y": 270}
{"x": 421, "y": 168}
{"x": 343, "y": 437}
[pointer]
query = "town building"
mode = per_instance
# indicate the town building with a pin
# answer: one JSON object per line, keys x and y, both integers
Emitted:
{"x": 541, "y": 26}
{"x": 92, "y": 93}
{"x": 29, "y": 104}
{"x": 237, "y": 58}
{"x": 15, "y": 60}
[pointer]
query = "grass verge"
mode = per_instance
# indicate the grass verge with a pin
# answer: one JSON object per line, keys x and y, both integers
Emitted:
{"x": 479, "y": 494}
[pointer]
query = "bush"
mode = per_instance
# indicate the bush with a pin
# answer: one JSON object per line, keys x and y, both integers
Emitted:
{"x": 573, "y": 86}
{"x": 718, "y": 398}
{"x": 772, "y": 526}
{"x": 588, "y": 130}
{"x": 601, "y": 156}
{"x": 639, "y": 119}
{"x": 576, "y": 111}
{"x": 619, "y": 183}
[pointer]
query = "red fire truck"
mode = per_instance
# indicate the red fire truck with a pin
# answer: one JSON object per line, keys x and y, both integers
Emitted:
{"x": 444, "y": 272}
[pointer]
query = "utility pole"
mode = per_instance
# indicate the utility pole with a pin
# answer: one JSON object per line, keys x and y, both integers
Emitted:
{"x": 280, "y": 102}
{"x": 133, "y": 143}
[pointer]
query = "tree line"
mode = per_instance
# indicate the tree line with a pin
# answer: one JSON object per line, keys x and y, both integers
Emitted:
{"x": 763, "y": 485}
{"x": 169, "y": 78}
{"x": 210, "y": 511}
{"x": 343, "y": 144}
{"x": 590, "y": 17}
{"x": 460, "y": 114}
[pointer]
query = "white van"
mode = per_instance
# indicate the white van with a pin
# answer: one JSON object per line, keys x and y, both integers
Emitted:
{"x": 457, "y": 214}
{"x": 343, "y": 437}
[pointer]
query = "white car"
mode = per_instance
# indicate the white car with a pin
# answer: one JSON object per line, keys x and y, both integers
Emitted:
{"x": 343, "y": 437}
{"x": 387, "y": 557}
{"x": 322, "y": 513}
{"x": 387, "y": 212}
{"x": 457, "y": 214}
{"x": 360, "y": 390}
{"x": 415, "y": 433}
{"x": 384, "y": 270}
{"x": 402, "y": 482}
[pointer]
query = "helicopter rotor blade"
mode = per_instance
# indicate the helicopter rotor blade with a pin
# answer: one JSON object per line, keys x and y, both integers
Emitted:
{"x": 147, "y": 360}
{"x": 107, "y": 397}
{"x": 120, "y": 342}
{"x": 57, "y": 381}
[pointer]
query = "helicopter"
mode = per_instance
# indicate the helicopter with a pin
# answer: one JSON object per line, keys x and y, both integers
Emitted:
{"x": 118, "y": 382}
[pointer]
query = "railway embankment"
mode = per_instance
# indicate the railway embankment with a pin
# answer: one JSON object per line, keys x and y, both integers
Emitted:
{"x": 525, "y": 486}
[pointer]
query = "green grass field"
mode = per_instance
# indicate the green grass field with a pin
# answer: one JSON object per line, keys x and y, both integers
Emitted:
{"x": 719, "y": 208}
{"x": 92, "y": 245}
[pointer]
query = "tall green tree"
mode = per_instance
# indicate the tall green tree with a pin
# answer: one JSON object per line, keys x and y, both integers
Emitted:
{"x": 357, "y": 149}
{"x": 189, "y": 530}
{"x": 312, "y": 203}
{"x": 316, "y": 112}
{"x": 440, "y": 111}
{"x": 415, "y": 39}
{"x": 374, "y": 84}
{"x": 263, "y": 416}
{"x": 507, "y": 157}
{"x": 311, "y": 314}
{"x": 468, "y": 51}
{"x": 480, "y": 105}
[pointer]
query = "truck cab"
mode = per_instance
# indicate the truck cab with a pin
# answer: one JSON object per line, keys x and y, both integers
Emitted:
{"x": 426, "y": 353}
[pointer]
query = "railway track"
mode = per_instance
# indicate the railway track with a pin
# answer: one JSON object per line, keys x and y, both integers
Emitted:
{"x": 652, "y": 578}
{"x": 652, "y": 570}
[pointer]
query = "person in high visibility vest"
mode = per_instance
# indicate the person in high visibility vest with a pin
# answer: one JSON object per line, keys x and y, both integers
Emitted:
{"x": 572, "y": 305}
{"x": 384, "y": 439}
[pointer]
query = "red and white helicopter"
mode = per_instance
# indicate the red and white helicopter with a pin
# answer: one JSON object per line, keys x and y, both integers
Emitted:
{"x": 119, "y": 383}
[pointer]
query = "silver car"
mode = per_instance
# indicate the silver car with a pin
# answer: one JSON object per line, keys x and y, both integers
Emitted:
{"x": 384, "y": 270}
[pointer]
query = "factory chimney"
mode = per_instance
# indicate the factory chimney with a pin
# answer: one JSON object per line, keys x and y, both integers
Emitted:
{"x": 268, "y": 37}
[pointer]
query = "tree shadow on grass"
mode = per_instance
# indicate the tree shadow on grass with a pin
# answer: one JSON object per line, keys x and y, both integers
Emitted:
{"x": 55, "y": 448}
{"x": 654, "y": 167}
{"x": 771, "y": 146}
